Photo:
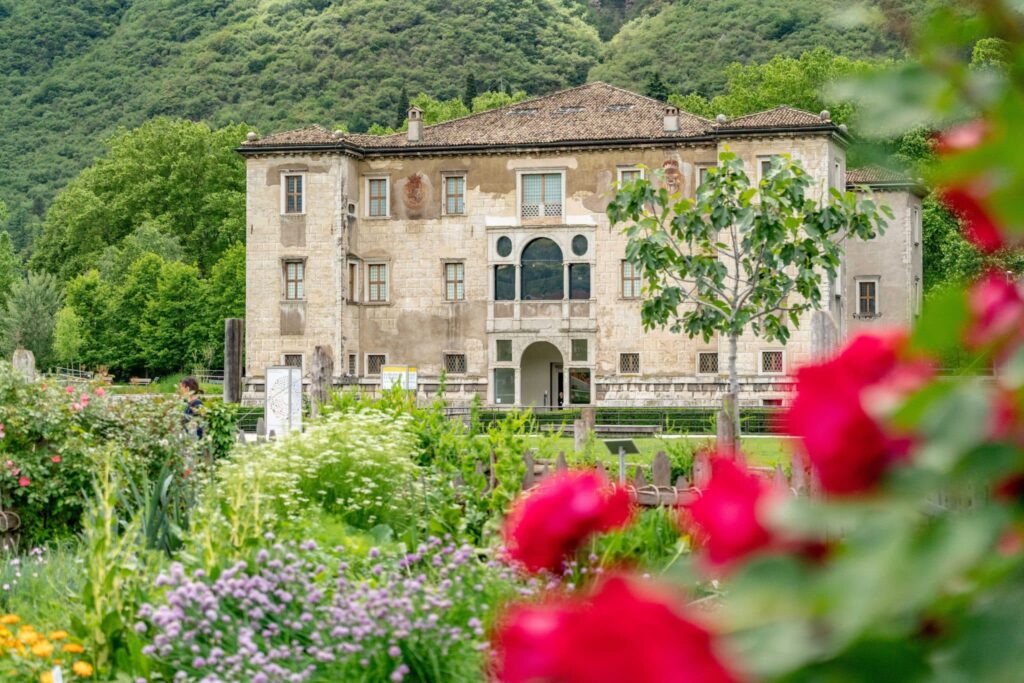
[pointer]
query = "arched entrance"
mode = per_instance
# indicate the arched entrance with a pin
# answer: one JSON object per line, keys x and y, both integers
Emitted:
{"x": 541, "y": 371}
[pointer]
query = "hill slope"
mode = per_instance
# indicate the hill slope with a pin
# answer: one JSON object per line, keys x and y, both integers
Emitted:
{"x": 71, "y": 74}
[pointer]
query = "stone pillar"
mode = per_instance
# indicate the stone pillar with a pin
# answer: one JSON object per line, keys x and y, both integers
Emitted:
{"x": 233, "y": 334}
{"x": 582, "y": 428}
{"x": 321, "y": 374}
{"x": 25, "y": 364}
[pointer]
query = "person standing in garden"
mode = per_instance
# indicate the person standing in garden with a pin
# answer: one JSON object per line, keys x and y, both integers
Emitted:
{"x": 189, "y": 390}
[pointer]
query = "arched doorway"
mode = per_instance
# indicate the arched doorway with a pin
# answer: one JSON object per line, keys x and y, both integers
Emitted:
{"x": 541, "y": 373}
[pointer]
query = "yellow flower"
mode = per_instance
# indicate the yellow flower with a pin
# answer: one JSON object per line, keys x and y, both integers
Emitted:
{"x": 83, "y": 669}
{"x": 46, "y": 677}
{"x": 28, "y": 636}
{"x": 42, "y": 649}
{"x": 10, "y": 619}
{"x": 58, "y": 635}
{"x": 73, "y": 648}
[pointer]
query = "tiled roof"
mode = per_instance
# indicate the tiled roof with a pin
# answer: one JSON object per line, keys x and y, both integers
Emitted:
{"x": 593, "y": 112}
{"x": 780, "y": 117}
{"x": 873, "y": 175}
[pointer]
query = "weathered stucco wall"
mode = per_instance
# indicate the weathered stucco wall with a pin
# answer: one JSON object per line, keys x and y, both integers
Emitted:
{"x": 417, "y": 326}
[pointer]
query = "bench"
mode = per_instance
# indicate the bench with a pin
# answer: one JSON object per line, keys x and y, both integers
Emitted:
{"x": 140, "y": 381}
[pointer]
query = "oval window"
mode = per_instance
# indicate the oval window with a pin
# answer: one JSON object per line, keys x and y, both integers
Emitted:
{"x": 504, "y": 246}
{"x": 579, "y": 245}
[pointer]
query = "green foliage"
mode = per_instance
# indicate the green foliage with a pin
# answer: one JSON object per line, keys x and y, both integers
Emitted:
{"x": 177, "y": 178}
{"x": 692, "y": 43}
{"x": 10, "y": 265}
{"x": 656, "y": 87}
{"x": 67, "y": 336}
{"x": 172, "y": 325}
{"x": 27, "y": 319}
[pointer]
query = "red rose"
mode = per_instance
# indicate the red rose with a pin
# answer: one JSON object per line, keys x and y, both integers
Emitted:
{"x": 847, "y": 447}
{"x": 551, "y": 521}
{"x": 961, "y": 138}
{"x": 997, "y": 311}
{"x": 728, "y": 513}
{"x": 55, "y": 458}
{"x": 980, "y": 229}
{"x": 626, "y": 631}
{"x": 23, "y": 482}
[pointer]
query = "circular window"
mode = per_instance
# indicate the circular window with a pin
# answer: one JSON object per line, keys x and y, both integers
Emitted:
{"x": 579, "y": 245}
{"x": 504, "y": 246}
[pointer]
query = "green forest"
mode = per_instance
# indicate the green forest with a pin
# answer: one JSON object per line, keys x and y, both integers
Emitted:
{"x": 121, "y": 193}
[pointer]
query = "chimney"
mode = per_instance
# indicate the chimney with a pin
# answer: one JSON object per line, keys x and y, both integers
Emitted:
{"x": 671, "y": 119}
{"x": 415, "y": 124}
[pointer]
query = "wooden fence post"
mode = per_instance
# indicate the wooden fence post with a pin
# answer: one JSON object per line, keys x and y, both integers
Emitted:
{"x": 25, "y": 364}
{"x": 233, "y": 331}
{"x": 321, "y": 374}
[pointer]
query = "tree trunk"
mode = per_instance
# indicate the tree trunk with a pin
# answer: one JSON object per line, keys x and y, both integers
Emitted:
{"x": 233, "y": 331}
{"x": 729, "y": 415}
{"x": 321, "y": 374}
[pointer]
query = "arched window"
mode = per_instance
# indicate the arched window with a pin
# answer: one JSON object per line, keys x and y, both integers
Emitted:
{"x": 542, "y": 271}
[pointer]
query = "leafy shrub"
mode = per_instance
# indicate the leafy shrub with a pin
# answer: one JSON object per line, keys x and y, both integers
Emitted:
{"x": 47, "y": 445}
{"x": 356, "y": 464}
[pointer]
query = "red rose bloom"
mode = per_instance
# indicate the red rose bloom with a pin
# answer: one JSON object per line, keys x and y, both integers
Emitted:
{"x": 727, "y": 516}
{"x": 848, "y": 449}
{"x": 551, "y": 521}
{"x": 23, "y": 482}
{"x": 997, "y": 311}
{"x": 55, "y": 458}
{"x": 625, "y": 632}
{"x": 980, "y": 228}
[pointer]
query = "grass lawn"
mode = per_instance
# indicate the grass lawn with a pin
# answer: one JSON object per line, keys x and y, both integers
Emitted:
{"x": 765, "y": 451}
{"x": 164, "y": 385}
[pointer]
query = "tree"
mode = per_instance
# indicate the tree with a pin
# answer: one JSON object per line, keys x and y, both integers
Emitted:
{"x": 172, "y": 325}
{"x": 10, "y": 265}
{"x": 28, "y": 317}
{"x": 737, "y": 257}
{"x": 89, "y": 296}
{"x": 656, "y": 87}
{"x": 225, "y": 296}
{"x": 129, "y": 306}
{"x": 67, "y": 336}
{"x": 469, "y": 92}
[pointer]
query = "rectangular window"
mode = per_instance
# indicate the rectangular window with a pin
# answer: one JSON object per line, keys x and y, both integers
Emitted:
{"x": 771, "y": 362}
{"x": 541, "y": 195}
{"x": 579, "y": 281}
{"x": 455, "y": 195}
{"x": 630, "y": 281}
{"x": 707, "y": 363}
{"x": 377, "y": 283}
{"x": 771, "y": 402}
{"x": 294, "y": 280}
{"x": 579, "y": 386}
{"x": 629, "y": 175}
{"x": 374, "y": 363}
{"x": 579, "y": 350}
{"x": 504, "y": 283}
{"x": 503, "y": 350}
{"x": 505, "y": 386}
{"x": 293, "y": 360}
{"x": 377, "y": 189}
{"x": 915, "y": 217}
{"x": 293, "y": 194}
{"x": 867, "y": 298}
{"x": 455, "y": 281}
{"x": 352, "y": 364}
{"x": 455, "y": 363}
{"x": 765, "y": 165}
{"x": 702, "y": 174}
{"x": 629, "y": 363}
{"x": 353, "y": 282}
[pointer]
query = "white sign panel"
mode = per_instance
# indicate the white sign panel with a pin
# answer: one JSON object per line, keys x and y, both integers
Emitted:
{"x": 283, "y": 411}
{"x": 402, "y": 376}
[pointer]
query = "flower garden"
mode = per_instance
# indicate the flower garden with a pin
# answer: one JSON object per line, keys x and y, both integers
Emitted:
{"x": 386, "y": 542}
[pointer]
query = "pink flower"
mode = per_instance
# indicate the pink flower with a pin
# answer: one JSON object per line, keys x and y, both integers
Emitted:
{"x": 963, "y": 137}
{"x": 729, "y": 514}
{"x": 76, "y": 407}
{"x": 55, "y": 458}
{"x": 626, "y": 631}
{"x": 23, "y": 482}
{"x": 84, "y": 399}
{"x": 847, "y": 446}
{"x": 69, "y": 389}
{"x": 968, "y": 203}
{"x": 551, "y": 521}
{"x": 100, "y": 391}
{"x": 996, "y": 311}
